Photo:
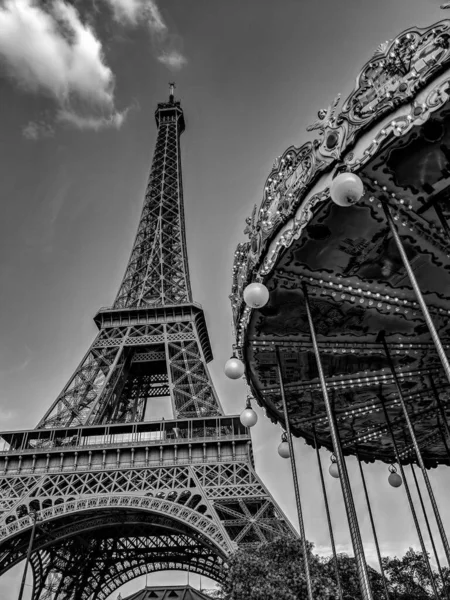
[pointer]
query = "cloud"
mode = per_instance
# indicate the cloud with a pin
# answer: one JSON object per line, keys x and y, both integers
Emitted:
{"x": 173, "y": 60}
{"x": 146, "y": 12}
{"x": 46, "y": 48}
{"x": 92, "y": 122}
{"x": 36, "y": 130}
{"x": 139, "y": 11}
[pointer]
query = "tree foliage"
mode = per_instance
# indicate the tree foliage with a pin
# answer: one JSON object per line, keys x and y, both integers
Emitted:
{"x": 275, "y": 571}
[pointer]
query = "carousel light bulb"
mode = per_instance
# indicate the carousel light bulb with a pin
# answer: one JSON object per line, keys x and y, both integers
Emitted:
{"x": 346, "y": 189}
{"x": 234, "y": 368}
{"x": 394, "y": 479}
{"x": 283, "y": 450}
{"x": 334, "y": 470}
{"x": 256, "y": 295}
{"x": 248, "y": 417}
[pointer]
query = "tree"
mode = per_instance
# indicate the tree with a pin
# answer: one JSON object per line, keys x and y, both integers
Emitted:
{"x": 409, "y": 577}
{"x": 275, "y": 571}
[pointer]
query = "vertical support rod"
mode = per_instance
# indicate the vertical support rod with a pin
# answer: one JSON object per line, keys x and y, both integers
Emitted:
{"x": 430, "y": 533}
{"x": 355, "y": 534}
{"x": 327, "y": 510}
{"x": 33, "y": 515}
{"x": 295, "y": 478}
{"x": 408, "y": 494}
{"x": 441, "y": 408}
{"x": 440, "y": 215}
{"x": 412, "y": 278}
{"x": 372, "y": 522}
{"x": 417, "y": 450}
{"x": 444, "y": 439}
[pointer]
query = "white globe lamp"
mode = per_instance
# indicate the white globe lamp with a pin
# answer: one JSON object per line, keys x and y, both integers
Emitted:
{"x": 256, "y": 295}
{"x": 283, "y": 450}
{"x": 394, "y": 478}
{"x": 346, "y": 189}
{"x": 234, "y": 368}
{"x": 248, "y": 416}
{"x": 334, "y": 470}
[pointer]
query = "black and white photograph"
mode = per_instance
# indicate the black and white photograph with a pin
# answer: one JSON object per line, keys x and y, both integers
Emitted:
{"x": 224, "y": 300}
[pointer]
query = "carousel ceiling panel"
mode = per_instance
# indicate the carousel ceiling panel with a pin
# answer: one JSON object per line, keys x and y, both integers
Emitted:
{"x": 394, "y": 131}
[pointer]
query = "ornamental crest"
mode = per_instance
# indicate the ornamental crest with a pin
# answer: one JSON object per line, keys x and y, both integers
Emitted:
{"x": 326, "y": 117}
{"x": 394, "y": 73}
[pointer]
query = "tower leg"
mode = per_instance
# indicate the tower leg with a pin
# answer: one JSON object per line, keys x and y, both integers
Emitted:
{"x": 34, "y": 518}
{"x": 355, "y": 533}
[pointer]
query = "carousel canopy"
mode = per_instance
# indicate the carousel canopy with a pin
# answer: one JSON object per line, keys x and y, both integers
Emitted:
{"x": 168, "y": 593}
{"x": 393, "y": 131}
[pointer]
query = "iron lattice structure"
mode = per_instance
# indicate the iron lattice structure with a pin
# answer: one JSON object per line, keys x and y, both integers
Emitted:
{"x": 119, "y": 495}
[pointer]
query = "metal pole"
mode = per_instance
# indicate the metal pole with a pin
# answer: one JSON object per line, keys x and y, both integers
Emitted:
{"x": 410, "y": 501}
{"x": 441, "y": 408}
{"x": 33, "y": 515}
{"x": 417, "y": 449}
{"x": 372, "y": 522}
{"x": 355, "y": 533}
{"x": 444, "y": 439}
{"x": 327, "y": 510}
{"x": 295, "y": 478}
{"x": 440, "y": 215}
{"x": 417, "y": 292}
{"x": 430, "y": 534}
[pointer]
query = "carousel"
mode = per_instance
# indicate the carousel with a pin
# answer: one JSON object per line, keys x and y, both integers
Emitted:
{"x": 341, "y": 295}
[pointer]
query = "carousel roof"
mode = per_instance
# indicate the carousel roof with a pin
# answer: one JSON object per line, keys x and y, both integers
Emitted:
{"x": 181, "y": 592}
{"x": 394, "y": 132}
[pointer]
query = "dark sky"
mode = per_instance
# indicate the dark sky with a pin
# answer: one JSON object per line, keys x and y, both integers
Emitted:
{"x": 77, "y": 136}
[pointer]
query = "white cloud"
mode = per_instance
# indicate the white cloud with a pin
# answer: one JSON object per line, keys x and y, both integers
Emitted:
{"x": 173, "y": 60}
{"x": 155, "y": 21}
{"x": 36, "y": 130}
{"x": 146, "y": 12}
{"x": 92, "y": 122}
{"x": 139, "y": 11}
{"x": 47, "y": 48}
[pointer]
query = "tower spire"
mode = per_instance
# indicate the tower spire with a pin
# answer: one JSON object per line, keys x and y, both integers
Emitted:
{"x": 171, "y": 91}
{"x": 160, "y": 345}
{"x": 157, "y": 273}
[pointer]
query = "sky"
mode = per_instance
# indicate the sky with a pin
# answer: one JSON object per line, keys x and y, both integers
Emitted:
{"x": 79, "y": 83}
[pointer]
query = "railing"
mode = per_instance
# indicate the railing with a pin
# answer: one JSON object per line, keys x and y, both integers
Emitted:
{"x": 111, "y": 466}
{"x": 149, "y": 307}
{"x": 143, "y": 433}
{"x": 50, "y": 445}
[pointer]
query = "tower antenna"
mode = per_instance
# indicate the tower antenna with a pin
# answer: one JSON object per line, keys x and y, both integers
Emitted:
{"x": 171, "y": 91}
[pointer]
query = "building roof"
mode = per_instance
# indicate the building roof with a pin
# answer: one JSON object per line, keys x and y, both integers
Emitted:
{"x": 179, "y": 592}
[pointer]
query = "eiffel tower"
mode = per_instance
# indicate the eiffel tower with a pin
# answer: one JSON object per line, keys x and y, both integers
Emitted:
{"x": 117, "y": 495}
